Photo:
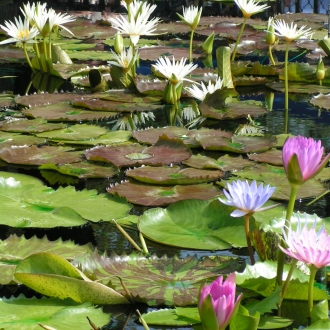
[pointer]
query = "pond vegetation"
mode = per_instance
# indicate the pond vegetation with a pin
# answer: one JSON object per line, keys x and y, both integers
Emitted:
{"x": 140, "y": 145}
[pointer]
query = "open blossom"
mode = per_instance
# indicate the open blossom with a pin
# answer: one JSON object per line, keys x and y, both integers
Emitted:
{"x": 217, "y": 304}
{"x": 200, "y": 93}
{"x": 302, "y": 159}
{"x": 125, "y": 59}
{"x": 191, "y": 16}
{"x": 141, "y": 8}
{"x": 19, "y": 31}
{"x": 290, "y": 32}
{"x": 247, "y": 198}
{"x": 174, "y": 71}
{"x": 250, "y": 7}
{"x": 308, "y": 245}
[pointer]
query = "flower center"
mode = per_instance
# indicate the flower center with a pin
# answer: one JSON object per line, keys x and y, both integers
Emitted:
{"x": 22, "y": 34}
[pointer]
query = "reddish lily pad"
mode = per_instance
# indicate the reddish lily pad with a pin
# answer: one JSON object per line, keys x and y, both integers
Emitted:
{"x": 165, "y": 151}
{"x": 173, "y": 175}
{"x": 321, "y": 101}
{"x": 33, "y": 155}
{"x": 237, "y": 144}
{"x": 30, "y": 126}
{"x": 272, "y": 156}
{"x": 104, "y": 105}
{"x": 224, "y": 163}
{"x": 299, "y": 88}
{"x": 65, "y": 112}
{"x": 148, "y": 195}
{"x": 153, "y": 53}
{"x": 82, "y": 170}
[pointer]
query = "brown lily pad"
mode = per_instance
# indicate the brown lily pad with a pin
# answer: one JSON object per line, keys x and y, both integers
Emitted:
{"x": 173, "y": 175}
{"x": 35, "y": 156}
{"x": 237, "y": 144}
{"x": 224, "y": 163}
{"x": 272, "y": 156}
{"x": 149, "y": 195}
{"x": 65, "y": 112}
{"x": 165, "y": 151}
{"x": 321, "y": 101}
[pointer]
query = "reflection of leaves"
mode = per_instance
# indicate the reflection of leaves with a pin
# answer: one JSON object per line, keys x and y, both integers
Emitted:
{"x": 153, "y": 280}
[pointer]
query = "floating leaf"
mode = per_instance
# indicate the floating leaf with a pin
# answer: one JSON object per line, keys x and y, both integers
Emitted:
{"x": 272, "y": 156}
{"x": 30, "y": 126}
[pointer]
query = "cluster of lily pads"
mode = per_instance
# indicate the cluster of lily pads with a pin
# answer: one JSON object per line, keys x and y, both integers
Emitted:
{"x": 167, "y": 170}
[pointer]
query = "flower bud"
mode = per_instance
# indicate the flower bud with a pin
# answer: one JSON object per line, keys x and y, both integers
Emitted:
{"x": 119, "y": 43}
{"x": 270, "y": 35}
{"x": 208, "y": 44}
{"x": 320, "y": 72}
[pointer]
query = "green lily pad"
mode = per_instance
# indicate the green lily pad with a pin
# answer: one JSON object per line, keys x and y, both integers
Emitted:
{"x": 165, "y": 151}
{"x": 194, "y": 224}
{"x": 25, "y": 314}
{"x": 148, "y": 195}
{"x": 173, "y": 175}
{"x": 165, "y": 281}
{"x": 14, "y": 249}
{"x": 8, "y": 139}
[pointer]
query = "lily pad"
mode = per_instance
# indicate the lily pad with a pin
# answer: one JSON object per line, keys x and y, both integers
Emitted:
{"x": 148, "y": 195}
{"x": 165, "y": 151}
{"x": 272, "y": 156}
{"x": 8, "y": 139}
{"x": 14, "y": 249}
{"x": 173, "y": 175}
{"x": 165, "y": 281}
{"x": 33, "y": 155}
{"x": 25, "y": 314}
{"x": 321, "y": 101}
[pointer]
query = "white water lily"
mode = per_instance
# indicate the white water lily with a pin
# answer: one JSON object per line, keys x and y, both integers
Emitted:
{"x": 19, "y": 31}
{"x": 200, "y": 92}
{"x": 191, "y": 16}
{"x": 250, "y": 7}
{"x": 141, "y": 7}
{"x": 125, "y": 59}
{"x": 290, "y": 32}
{"x": 174, "y": 71}
{"x": 135, "y": 27}
{"x": 247, "y": 198}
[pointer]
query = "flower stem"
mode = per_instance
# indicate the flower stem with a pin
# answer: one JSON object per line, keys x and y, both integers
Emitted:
{"x": 289, "y": 211}
{"x": 287, "y": 281}
{"x": 27, "y": 57}
{"x": 238, "y": 40}
{"x": 190, "y": 45}
{"x": 313, "y": 271}
{"x": 270, "y": 47}
{"x": 248, "y": 240}
{"x": 286, "y": 78}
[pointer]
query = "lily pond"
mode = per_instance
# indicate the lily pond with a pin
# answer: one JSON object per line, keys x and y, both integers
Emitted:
{"x": 110, "y": 177}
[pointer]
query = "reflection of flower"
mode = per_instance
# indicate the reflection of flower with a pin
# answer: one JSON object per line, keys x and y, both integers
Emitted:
{"x": 19, "y": 31}
{"x": 250, "y": 7}
{"x": 125, "y": 59}
{"x": 200, "y": 93}
{"x": 247, "y": 199}
{"x": 135, "y": 27}
{"x": 302, "y": 159}
{"x": 308, "y": 246}
{"x": 191, "y": 16}
{"x": 174, "y": 71}
{"x": 216, "y": 303}
{"x": 290, "y": 32}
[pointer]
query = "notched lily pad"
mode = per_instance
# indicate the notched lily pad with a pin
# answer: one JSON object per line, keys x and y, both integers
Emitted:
{"x": 165, "y": 151}
{"x": 149, "y": 195}
{"x": 238, "y": 144}
{"x": 25, "y": 155}
{"x": 8, "y": 139}
{"x": 321, "y": 101}
{"x": 173, "y": 175}
{"x": 272, "y": 156}
{"x": 30, "y": 126}
{"x": 165, "y": 281}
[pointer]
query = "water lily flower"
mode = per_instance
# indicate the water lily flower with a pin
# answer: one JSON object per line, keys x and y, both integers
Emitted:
{"x": 174, "y": 71}
{"x": 216, "y": 303}
{"x": 125, "y": 59}
{"x": 191, "y": 16}
{"x": 140, "y": 8}
{"x": 290, "y": 32}
{"x": 302, "y": 159}
{"x": 135, "y": 27}
{"x": 19, "y": 31}
{"x": 200, "y": 93}
{"x": 270, "y": 38}
{"x": 320, "y": 71}
{"x": 247, "y": 198}
{"x": 250, "y": 7}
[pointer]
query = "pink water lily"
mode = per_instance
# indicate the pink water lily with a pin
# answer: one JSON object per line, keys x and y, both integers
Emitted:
{"x": 217, "y": 304}
{"x": 302, "y": 159}
{"x": 308, "y": 245}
